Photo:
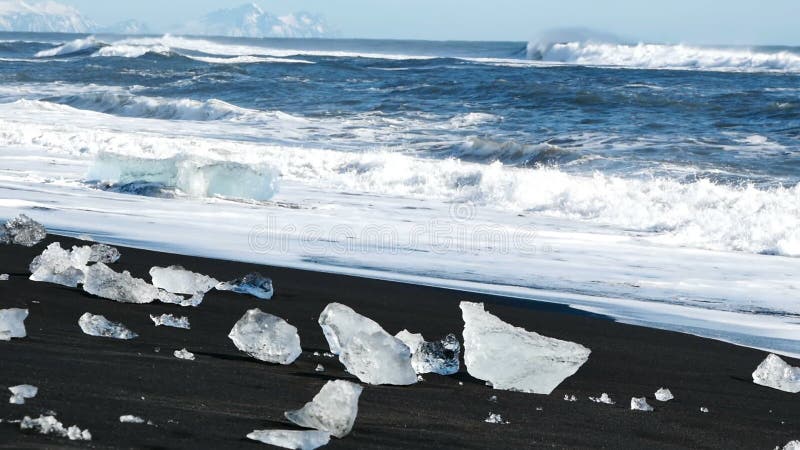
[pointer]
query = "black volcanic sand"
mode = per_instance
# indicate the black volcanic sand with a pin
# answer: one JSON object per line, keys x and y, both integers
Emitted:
{"x": 215, "y": 401}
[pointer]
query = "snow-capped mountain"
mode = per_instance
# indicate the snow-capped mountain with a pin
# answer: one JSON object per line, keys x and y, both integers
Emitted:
{"x": 42, "y": 16}
{"x": 127, "y": 27}
{"x": 250, "y": 20}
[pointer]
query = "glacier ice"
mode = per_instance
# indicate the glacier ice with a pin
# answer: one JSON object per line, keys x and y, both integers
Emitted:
{"x": 441, "y": 357}
{"x": 184, "y": 354}
{"x": 254, "y": 284}
{"x": 775, "y": 373}
{"x": 298, "y": 440}
{"x": 4, "y": 277}
{"x": 168, "y": 320}
{"x": 333, "y": 409}
{"x": 130, "y": 419}
{"x": 664, "y": 395}
{"x": 266, "y": 337}
{"x": 103, "y": 253}
{"x": 101, "y": 327}
{"x": 12, "y": 323}
{"x": 22, "y": 230}
{"x": 640, "y": 404}
{"x": 51, "y": 425}
{"x": 22, "y": 392}
{"x": 495, "y": 418}
{"x": 512, "y": 358}
{"x": 177, "y": 280}
{"x": 60, "y": 266}
{"x": 104, "y": 282}
{"x": 366, "y": 350}
{"x": 603, "y": 399}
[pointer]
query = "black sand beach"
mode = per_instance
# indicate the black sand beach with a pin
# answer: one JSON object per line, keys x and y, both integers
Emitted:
{"x": 215, "y": 401}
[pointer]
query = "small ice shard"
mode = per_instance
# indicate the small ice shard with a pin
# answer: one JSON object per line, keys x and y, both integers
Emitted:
{"x": 366, "y": 350}
{"x": 512, "y": 358}
{"x": 266, "y": 337}
{"x": 176, "y": 299}
{"x": 570, "y": 398}
{"x": 168, "y": 320}
{"x": 12, "y": 323}
{"x": 333, "y": 409}
{"x": 50, "y": 425}
{"x": 59, "y": 266}
{"x": 493, "y": 399}
{"x": 184, "y": 354}
{"x": 440, "y": 357}
{"x": 664, "y": 395}
{"x": 4, "y": 277}
{"x": 775, "y": 373}
{"x": 320, "y": 368}
{"x": 22, "y": 231}
{"x": 130, "y": 419}
{"x": 703, "y": 409}
{"x": 103, "y": 253}
{"x": 495, "y": 418}
{"x": 101, "y": 327}
{"x": 640, "y": 404}
{"x": 603, "y": 399}
{"x": 177, "y": 280}
{"x": 21, "y": 393}
{"x": 104, "y": 282}
{"x": 297, "y": 440}
{"x": 85, "y": 237}
{"x": 254, "y": 284}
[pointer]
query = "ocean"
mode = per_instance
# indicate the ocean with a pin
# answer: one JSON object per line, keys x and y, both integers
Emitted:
{"x": 655, "y": 184}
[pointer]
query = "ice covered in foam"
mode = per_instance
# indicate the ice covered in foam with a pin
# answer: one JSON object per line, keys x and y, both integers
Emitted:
{"x": 59, "y": 266}
{"x": 775, "y": 373}
{"x": 441, "y": 357}
{"x": 99, "y": 326}
{"x": 12, "y": 323}
{"x": 266, "y": 337}
{"x": 512, "y": 358}
{"x": 22, "y": 230}
{"x": 333, "y": 409}
{"x": 297, "y": 440}
{"x": 366, "y": 350}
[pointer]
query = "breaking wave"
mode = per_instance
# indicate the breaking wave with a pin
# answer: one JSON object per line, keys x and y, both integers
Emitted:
{"x": 78, "y": 46}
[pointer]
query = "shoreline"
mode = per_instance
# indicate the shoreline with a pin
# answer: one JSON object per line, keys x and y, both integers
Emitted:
{"x": 223, "y": 395}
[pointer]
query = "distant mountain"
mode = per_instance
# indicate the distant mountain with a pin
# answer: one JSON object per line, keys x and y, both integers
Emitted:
{"x": 127, "y": 27}
{"x": 249, "y": 20}
{"x": 42, "y": 16}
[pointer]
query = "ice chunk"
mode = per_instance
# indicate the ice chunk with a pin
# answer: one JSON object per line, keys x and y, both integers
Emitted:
{"x": 319, "y": 368}
{"x": 22, "y": 231}
{"x": 104, "y": 282}
{"x": 703, "y": 409}
{"x": 603, "y": 399}
{"x": 366, "y": 350}
{"x": 439, "y": 357}
{"x": 266, "y": 337}
{"x": 298, "y": 440}
{"x": 184, "y": 354}
{"x": 12, "y": 323}
{"x": 495, "y": 418}
{"x": 59, "y": 266}
{"x": 640, "y": 404}
{"x": 775, "y": 373}
{"x": 333, "y": 410}
{"x": 570, "y": 398}
{"x": 513, "y": 358}
{"x": 794, "y": 445}
{"x": 4, "y": 277}
{"x": 104, "y": 253}
{"x": 130, "y": 419}
{"x": 178, "y": 280}
{"x": 101, "y": 327}
{"x": 254, "y": 284}
{"x": 168, "y": 320}
{"x": 664, "y": 395}
{"x": 22, "y": 392}
{"x": 50, "y": 425}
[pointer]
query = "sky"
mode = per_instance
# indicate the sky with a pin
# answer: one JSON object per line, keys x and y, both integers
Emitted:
{"x": 740, "y": 22}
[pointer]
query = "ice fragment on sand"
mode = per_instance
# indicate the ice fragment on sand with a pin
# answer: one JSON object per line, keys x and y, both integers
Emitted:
{"x": 495, "y": 418}
{"x": 4, "y": 277}
{"x": 130, "y": 419}
{"x": 104, "y": 253}
{"x": 168, "y": 320}
{"x": 664, "y": 395}
{"x": 441, "y": 357}
{"x": 298, "y": 440}
{"x": 794, "y": 445}
{"x": 703, "y": 409}
{"x": 266, "y": 337}
{"x": 366, "y": 350}
{"x": 101, "y": 327}
{"x": 775, "y": 373}
{"x": 603, "y": 399}
{"x": 184, "y": 354}
{"x": 254, "y": 284}
{"x": 12, "y": 323}
{"x": 640, "y": 404}
{"x": 22, "y": 231}
{"x": 104, "y": 282}
{"x": 60, "y": 266}
{"x": 570, "y": 398}
{"x": 177, "y": 280}
{"x": 50, "y": 425}
{"x": 22, "y": 392}
{"x": 333, "y": 409}
{"x": 513, "y": 358}
{"x": 320, "y": 368}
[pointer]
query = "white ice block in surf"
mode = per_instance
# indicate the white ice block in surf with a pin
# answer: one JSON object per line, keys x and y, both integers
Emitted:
{"x": 366, "y": 350}
{"x": 514, "y": 359}
{"x": 333, "y": 409}
{"x": 266, "y": 337}
{"x": 22, "y": 230}
{"x": 775, "y": 373}
{"x": 12, "y": 323}
{"x": 296, "y": 440}
{"x": 95, "y": 325}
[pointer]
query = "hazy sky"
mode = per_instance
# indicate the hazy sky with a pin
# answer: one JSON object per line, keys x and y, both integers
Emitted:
{"x": 690, "y": 21}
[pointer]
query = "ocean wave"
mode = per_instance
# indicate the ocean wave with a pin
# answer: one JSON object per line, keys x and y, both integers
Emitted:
{"x": 246, "y": 59}
{"x": 663, "y": 56}
{"x": 78, "y": 46}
